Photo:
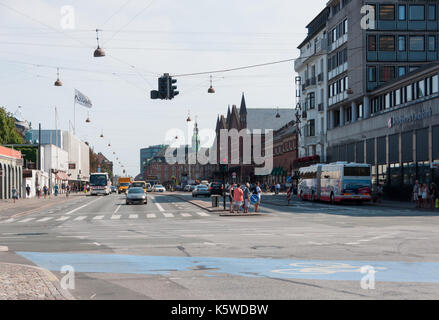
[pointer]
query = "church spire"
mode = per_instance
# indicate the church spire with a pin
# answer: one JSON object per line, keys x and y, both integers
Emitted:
{"x": 243, "y": 107}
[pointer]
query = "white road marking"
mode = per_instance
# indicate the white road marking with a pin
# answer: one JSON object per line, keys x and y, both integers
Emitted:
{"x": 63, "y": 219}
{"x": 186, "y": 215}
{"x": 159, "y": 207}
{"x": 45, "y": 219}
{"x": 97, "y": 243}
{"x": 80, "y": 218}
{"x": 151, "y": 216}
{"x": 98, "y": 217}
{"x": 117, "y": 209}
{"x": 134, "y": 216}
{"x": 3, "y": 249}
{"x": 27, "y": 220}
{"x": 203, "y": 214}
{"x": 115, "y": 217}
{"x": 168, "y": 215}
{"x": 85, "y": 205}
{"x": 7, "y": 221}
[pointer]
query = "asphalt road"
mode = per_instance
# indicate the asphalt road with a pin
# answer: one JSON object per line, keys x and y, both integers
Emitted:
{"x": 171, "y": 249}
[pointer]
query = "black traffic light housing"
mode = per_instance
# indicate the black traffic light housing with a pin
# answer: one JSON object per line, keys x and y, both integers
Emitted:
{"x": 166, "y": 88}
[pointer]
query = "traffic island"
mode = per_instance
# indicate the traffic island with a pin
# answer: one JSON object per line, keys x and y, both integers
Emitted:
{"x": 24, "y": 282}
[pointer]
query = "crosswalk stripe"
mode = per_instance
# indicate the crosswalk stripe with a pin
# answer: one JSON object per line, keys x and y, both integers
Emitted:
{"x": 27, "y": 220}
{"x": 80, "y": 218}
{"x": 63, "y": 219}
{"x": 151, "y": 215}
{"x": 168, "y": 215}
{"x": 7, "y": 221}
{"x": 115, "y": 217}
{"x": 98, "y": 217}
{"x": 203, "y": 214}
{"x": 134, "y": 216}
{"x": 186, "y": 215}
{"x": 45, "y": 219}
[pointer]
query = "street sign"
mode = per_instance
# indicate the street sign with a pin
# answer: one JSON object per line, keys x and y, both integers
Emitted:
{"x": 254, "y": 199}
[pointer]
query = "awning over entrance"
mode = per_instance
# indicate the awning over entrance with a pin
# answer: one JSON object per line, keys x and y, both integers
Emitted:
{"x": 61, "y": 176}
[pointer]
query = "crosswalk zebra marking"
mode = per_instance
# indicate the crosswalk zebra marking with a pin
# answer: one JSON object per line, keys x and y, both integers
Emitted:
{"x": 80, "y": 218}
{"x": 151, "y": 216}
{"x": 27, "y": 220}
{"x": 45, "y": 219}
{"x": 98, "y": 218}
{"x": 186, "y": 215}
{"x": 115, "y": 217}
{"x": 63, "y": 219}
{"x": 203, "y": 214}
{"x": 134, "y": 216}
{"x": 168, "y": 215}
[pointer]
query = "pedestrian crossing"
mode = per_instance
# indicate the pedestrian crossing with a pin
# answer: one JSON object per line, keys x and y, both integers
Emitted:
{"x": 110, "y": 217}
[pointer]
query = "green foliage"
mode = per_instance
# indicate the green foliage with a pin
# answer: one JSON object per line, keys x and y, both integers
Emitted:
{"x": 8, "y": 132}
{"x": 29, "y": 153}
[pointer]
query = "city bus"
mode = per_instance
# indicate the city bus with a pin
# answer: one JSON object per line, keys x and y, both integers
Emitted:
{"x": 336, "y": 182}
{"x": 100, "y": 183}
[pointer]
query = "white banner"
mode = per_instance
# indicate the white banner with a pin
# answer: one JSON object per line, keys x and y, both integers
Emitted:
{"x": 82, "y": 99}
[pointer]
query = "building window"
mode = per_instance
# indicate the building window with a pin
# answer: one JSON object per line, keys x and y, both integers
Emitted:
{"x": 387, "y": 12}
{"x": 432, "y": 12}
{"x": 401, "y": 71}
{"x": 401, "y": 43}
{"x": 402, "y": 12}
{"x": 371, "y": 74}
{"x": 435, "y": 84}
{"x": 387, "y": 43}
{"x": 387, "y": 73}
{"x": 312, "y": 127}
{"x": 431, "y": 43}
{"x": 416, "y": 12}
{"x": 348, "y": 114}
{"x": 417, "y": 43}
{"x": 372, "y": 43}
{"x": 312, "y": 100}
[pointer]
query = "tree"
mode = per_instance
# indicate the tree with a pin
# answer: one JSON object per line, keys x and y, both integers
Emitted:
{"x": 8, "y": 132}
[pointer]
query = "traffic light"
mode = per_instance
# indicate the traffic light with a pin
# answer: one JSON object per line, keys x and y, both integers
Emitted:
{"x": 172, "y": 88}
{"x": 166, "y": 88}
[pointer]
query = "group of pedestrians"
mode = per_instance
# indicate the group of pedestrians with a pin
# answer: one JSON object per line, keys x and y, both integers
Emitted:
{"x": 240, "y": 197}
{"x": 425, "y": 196}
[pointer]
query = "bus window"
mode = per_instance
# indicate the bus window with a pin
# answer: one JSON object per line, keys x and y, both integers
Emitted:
{"x": 357, "y": 171}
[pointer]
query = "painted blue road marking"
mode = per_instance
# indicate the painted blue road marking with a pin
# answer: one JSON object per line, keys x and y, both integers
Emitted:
{"x": 248, "y": 267}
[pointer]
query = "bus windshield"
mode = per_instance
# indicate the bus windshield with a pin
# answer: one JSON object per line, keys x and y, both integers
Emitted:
{"x": 98, "y": 180}
{"x": 138, "y": 185}
{"x": 357, "y": 171}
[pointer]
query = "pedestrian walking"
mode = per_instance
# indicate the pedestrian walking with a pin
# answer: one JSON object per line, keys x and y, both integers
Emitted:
{"x": 425, "y": 196}
{"x": 277, "y": 188}
{"x": 45, "y": 191}
{"x": 238, "y": 198}
{"x": 246, "y": 197}
{"x": 433, "y": 195}
{"x": 28, "y": 191}
{"x": 289, "y": 193}
{"x": 416, "y": 192}
{"x": 56, "y": 190}
{"x": 14, "y": 194}
{"x": 38, "y": 191}
{"x": 259, "y": 194}
{"x": 67, "y": 190}
{"x": 231, "y": 190}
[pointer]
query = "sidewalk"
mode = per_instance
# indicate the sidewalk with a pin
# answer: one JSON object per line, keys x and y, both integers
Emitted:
{"x": 281, "y": 200}
{"x": 25, "y": 206}
{"x": 23, "y": 282}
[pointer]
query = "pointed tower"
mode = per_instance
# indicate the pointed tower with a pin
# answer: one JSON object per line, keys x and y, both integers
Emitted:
{"x": 228, "y": 116}
{"x": 243, "y": 112}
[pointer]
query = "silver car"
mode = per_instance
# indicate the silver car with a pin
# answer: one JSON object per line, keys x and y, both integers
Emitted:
{"x": 201, "y": 190}
{"x": 136, "y": 195}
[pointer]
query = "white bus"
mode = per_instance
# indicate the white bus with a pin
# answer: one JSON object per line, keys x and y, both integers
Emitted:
{"x": 100, "y": 184}
{"x": 336, "y": 182}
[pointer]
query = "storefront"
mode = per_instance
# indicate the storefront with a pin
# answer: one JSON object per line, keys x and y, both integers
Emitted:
{"x": 401, "y": 138}
{"x": 11, "y": 172}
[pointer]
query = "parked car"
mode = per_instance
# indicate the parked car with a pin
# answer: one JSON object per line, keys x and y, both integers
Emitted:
{"x": 158, "y": 188}
{"x": 136, "y": 195}
{"x": 201, "y": 190}
{"x": 216, "y": 188}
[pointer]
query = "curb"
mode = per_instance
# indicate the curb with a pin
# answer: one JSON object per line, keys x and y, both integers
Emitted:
{"x": 49, "y": 277}
{"x": 197, "y": 205}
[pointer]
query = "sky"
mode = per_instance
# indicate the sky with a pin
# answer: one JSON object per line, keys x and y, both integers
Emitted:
{"x": 144, "y": 39}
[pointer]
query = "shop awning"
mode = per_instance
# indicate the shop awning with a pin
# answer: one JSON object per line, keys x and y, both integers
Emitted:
{"x": 61, "y": 176}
